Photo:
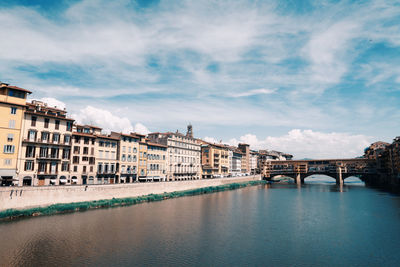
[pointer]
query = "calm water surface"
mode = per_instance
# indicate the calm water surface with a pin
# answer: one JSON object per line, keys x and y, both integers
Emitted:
{"x": 317, "y": 224}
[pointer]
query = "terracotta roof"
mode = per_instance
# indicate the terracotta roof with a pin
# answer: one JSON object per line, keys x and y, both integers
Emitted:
{"x": 107, "y": 137}
{"x": 155, "y": 144}
{"x": 83, "y": 134}
{"x": 16, "y": 88}
{"x": 48, "y": 115}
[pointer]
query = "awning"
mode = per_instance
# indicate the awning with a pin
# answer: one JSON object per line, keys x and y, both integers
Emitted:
{"x": 63, "y": 180}
{"x": 53, "y": 180}
{"x": 75, "y": 179}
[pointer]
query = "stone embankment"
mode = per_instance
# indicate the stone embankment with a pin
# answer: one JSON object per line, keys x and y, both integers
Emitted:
{"x": 30, "y": 197}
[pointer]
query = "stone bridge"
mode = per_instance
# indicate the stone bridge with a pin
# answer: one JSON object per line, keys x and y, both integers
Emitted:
{"x": 338, "y": 169}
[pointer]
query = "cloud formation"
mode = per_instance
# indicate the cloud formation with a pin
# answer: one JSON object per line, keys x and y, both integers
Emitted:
{"x": 229, "y": 67}
{"x": 311, "y": 144}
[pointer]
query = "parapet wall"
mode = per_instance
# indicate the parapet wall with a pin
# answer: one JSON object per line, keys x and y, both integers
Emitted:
{"x": 28, "y": 197}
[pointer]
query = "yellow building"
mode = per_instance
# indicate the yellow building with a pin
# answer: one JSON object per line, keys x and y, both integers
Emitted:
{"x": 214, "y": 160}
{"x": 12, "y": 106}
{"x": 142, "y": 169}
{"x": 128, "y": 156}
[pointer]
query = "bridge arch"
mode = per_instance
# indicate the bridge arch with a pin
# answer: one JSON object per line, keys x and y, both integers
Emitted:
{"x": 322, "y": 177}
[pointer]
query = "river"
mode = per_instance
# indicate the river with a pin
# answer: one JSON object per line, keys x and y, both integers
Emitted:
{"x": 316, "y": 224}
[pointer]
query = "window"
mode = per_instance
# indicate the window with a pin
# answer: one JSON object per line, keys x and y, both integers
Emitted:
{"x": 45, "y": 136}
{"x": 65, "y": 154}
{"x": 69, "y": 126}
{"x": 33, "y": 121}
{"x": 13, "y": 110}
{"x": 100, "y": 168}
{"x": 123, "y": 157}
{"x": 124, "y": 149}
{"x": 10, "y": 137}
{"x": 77, "y": 149}
{"x": 85, "y": 159}
{"x": 67, "y": 139}
{"x": 32, "y": 135}
{"x": 75, "y": 160}
{"x": 85, "y": 150}
{"x": 11, "y": 124}
{"x": 46, "y": 123}
{"x": 30, "y": 152}
{"x": 43, "y": 152}
{"x": 56, "y": 138}
{"x": 7, "y": 162}
{"x": 9, "y": 149}
{"x": 57, "y": 126}
{"x": 65, "y": 167}
{"x": 75, "y": 168}
{"x": 29, "y": 165}
{"x": 16, "y": 93}
{"x": 84, "y": 169}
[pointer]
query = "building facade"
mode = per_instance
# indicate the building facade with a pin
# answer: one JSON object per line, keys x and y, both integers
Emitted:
{"x": 106, "y": 150}
{"x": 183, "y": 154}
{"x": 44, "y": 157}
{"x": 156, "y": 162}
{"x": 12, "y": 108}
{"x": 214, "y": 160}
{"x": 245, "y": 149}
{"x": 128, "y": 156}
{"x": 83, "y": 161}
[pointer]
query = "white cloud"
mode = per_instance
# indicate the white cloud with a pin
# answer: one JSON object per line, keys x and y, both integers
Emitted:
{"x": 52, "y": 102}
{"x": 140, "y": 128}
{"x": 211, "y": 140}
{"x": 106, "y": 120}
{"x": 261, "y": 91}
{"x": 311, "y": 144}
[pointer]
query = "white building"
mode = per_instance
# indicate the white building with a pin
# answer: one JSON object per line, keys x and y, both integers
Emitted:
{"x": 183, "y": 154}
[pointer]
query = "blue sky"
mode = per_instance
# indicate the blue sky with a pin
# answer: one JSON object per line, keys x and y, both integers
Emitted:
{"x": 312, "y": 78}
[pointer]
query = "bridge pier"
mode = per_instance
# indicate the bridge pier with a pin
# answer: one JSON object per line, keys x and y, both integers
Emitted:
{"x": 298, "y": 178}
{"x": 339, "y": 177}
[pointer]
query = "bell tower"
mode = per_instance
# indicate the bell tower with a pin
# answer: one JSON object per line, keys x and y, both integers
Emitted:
{"x": 189, "y": 132}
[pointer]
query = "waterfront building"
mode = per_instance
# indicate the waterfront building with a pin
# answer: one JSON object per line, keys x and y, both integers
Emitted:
{"x": 156, "y": 162}
{"x": 128, "y": 156}
{"x": 245, "y": 148}
{"x": 83, "y": 170}
{"x": 12, "y": 107}
{"x": 214, "y": 160}
{"x": 106, "y": 148}
{"x": 183, "y": 154}
{"x": 235, "y": 160}
{"x": 253, "y": 162}
{"x": 44, "y": 157}
{"x": 264, "y": 156}
{"x": 142, "y": 169}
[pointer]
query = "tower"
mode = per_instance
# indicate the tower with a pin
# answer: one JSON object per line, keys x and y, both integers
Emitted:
{"x": 189, "y": 132}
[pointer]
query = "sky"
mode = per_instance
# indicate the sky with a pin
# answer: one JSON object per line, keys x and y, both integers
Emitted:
{"x": 317, "y": 79}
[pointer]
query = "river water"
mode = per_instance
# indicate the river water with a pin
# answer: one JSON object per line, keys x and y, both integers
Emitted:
{"x": 316, "y": 224}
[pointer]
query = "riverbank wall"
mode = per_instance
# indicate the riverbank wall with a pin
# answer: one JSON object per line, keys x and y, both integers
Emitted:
{"x": 30, "y": 197}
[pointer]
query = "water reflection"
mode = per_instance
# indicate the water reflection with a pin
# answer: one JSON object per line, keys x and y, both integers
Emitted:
{"x": 319, "y": 224}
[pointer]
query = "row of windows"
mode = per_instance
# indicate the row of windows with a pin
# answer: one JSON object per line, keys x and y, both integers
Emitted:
{"x": 107, "y": 154}
{"x": 155, "y": 157}
{"x": 47, "y": 123}
{"x": 47, "y": 152}
{"x": 106, "y": 168}
{"x": 107, "y": 144}
{"x": 9, "y": 149}
{"x": 134, "y": 149}
{"x": 45, "y": 137}
{"x": 129, "y": 158}
{"x": 85, "y": 150}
